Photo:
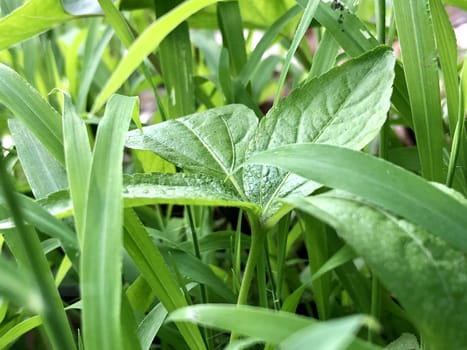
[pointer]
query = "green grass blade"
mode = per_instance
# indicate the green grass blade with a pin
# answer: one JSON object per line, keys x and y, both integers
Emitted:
{"x": 24, "y": 22}
{"x": 382, "y": 183}
{"x": 176, "y": 63}
{"x": 331, "y": 335}
{"x": 271, "y": 33}
{"x": 419, "y": 58}
{"x": 325, "y": 56}
{"x": 102, "y": 230}
{"x": 148, "y": 41}
{"x": 447, "y": 49}
{"x": 78, "y": 161}
{"x": 305, "y": 21}
{"x": 37, "y": 216}
{"x": 231, "y": 26}
{"x": 150, "y": 325}
{"x": 44, "y": 173}
{"x": 154, "y": 269}
{"x": 17, "y": 286}
{"x": 48, "y": 305}
{"x": 32, "y": 110}
{"x": 93, "y": 50}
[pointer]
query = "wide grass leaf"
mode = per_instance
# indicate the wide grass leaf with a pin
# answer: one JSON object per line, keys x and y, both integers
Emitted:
{"x": 44, "y": 173}
{"x": 102, "y": 230}
{"x": 345, "y": 107}
{"x": 423, "y": 272}
{"x": 211, "y": 142}
{"x": 269, "y": 326}
{"x": 32, "y": 110}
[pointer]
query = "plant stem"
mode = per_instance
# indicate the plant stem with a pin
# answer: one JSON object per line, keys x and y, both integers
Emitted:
{"x": 258, "y": 235}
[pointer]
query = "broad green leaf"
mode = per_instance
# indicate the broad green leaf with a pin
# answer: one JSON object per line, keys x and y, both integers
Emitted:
{"x": 181, "y": 189}
{"x": 415, "y": 31}
{"x": 353, "y": 36}
{"x": 405, "y": 341}
{"x": 102, "y": 230}
{"x": 430, "y": 283}
{"x": 377, "y": 181}
{"x": 32, "y": 110}
{"x": 330, "y": 335}
{"x": 211, "y": 142}
{"x": 44, "y": 173}
{"x": 345, "y": 107}
{"x": 147, "y": 42}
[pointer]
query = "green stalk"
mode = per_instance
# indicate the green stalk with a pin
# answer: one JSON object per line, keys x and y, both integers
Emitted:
{"x": 376, "y": 288}
{"x": 50, "y": 306}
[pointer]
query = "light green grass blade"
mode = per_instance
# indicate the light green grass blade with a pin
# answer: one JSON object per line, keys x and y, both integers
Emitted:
{"x": 176, "y": 63}
{"x": 32, "y": 110}
{"x": 148, "y": 41}
{"x": 38, "y": 217}
{"x": 30, "y": 20}
{"x": 78, "y": 161}
{"x": 231, "y": 26}
{"x": 30, "y": 256}
{"x": 102, "y": 230}
{"x": 331, "y": 335}
{"x": 459, "y": 3}
{"x": 150, "y": 325}
{"x": 18, "y": 287}
{"x": 305, "y": 21}
{"x": 380, "y": 182}
{"x": 154, "y": 269}
{"x": 44, "y": 173}
{"x": 447, "y": 49}
{"x": 419, "y": 54}
{"x": 93, "y": 49}
{"x": 271, "y": 33}
{"x": 269, "y": 326}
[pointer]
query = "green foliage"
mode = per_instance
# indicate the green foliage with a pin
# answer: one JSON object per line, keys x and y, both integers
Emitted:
{"x": 258, "y": 193}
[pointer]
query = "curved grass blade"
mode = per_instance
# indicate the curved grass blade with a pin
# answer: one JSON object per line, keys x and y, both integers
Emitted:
{"x": 380, "y": 182}
{"x": 30, "y": 20}
{"x": 30, "y": 255}
{"x": 148, "y": 41}
{"x": 101, "y": 283}
{"x": 44, "y": 173}
{"x": 32, "y": 110}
